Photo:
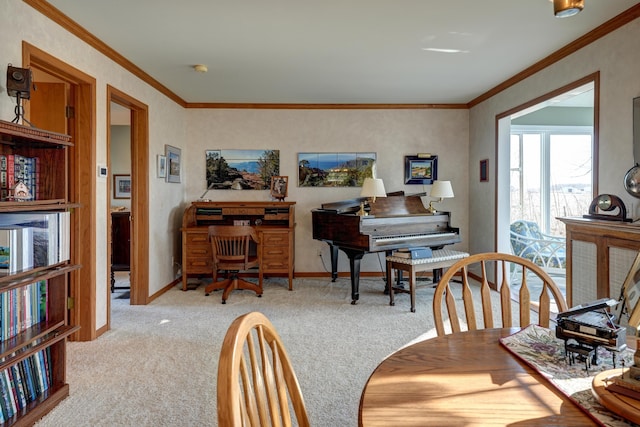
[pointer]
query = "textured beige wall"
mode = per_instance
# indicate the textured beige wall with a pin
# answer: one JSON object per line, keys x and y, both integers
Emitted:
{"x": 392, "y": 134}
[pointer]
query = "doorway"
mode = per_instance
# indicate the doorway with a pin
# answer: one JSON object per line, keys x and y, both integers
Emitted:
{"x": 547, "y": 168}
{"x": 138, "y": 192}
{"x": 119, "y": 176}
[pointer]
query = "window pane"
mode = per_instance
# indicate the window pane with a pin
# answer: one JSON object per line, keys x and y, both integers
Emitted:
{"x": 570, "y": 166}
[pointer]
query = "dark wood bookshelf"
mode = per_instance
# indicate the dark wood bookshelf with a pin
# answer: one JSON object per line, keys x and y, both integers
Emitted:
{"x": 49, "y": 336}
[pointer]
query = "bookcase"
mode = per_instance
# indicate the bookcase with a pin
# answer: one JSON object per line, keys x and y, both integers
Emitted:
{"x": 33, "y": 296}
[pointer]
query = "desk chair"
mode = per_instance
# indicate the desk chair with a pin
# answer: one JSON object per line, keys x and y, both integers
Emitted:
{"x": 479, "y": 264}
{"x": 231, "y": 253}
{"x": 256, "y": 382}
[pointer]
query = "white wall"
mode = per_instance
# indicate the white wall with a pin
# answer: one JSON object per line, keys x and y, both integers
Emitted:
{"x": 617, "y": 58}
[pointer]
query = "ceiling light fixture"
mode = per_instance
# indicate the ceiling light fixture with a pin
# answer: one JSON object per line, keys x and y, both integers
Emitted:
{"x": 200, "y": 68}
{"x": 443, "y": 50}
{"x": 566, "y": 8}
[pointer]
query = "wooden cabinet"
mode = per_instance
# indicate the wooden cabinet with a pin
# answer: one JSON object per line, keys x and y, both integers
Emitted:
{"x": 120, "y": 244}
{"x": 599, "y": 256}
{"x": 33, "y": 298}
{"x": 274, "y": 222}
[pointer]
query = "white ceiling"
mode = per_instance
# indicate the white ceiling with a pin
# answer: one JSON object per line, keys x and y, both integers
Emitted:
{"x": 334, "y": 51}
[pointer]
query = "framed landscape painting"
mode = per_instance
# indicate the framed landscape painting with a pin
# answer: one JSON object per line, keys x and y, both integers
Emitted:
{"x": 241, "y": 169}
{"x": 334, "y": 169}
{"x": 420, "y": 169}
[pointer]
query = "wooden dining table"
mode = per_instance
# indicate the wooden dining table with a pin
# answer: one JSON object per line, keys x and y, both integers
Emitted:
{"x": 463, "y": 379}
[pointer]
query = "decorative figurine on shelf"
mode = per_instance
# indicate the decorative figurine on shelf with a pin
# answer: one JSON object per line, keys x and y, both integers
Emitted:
{"x": 279, "y": 186}
{"x": 21, "y": 192}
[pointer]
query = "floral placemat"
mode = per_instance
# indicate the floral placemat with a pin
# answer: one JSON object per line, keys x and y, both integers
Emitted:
{"x": 539, "y": 348}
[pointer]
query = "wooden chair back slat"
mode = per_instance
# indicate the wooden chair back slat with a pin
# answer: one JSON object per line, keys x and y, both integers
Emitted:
{"x": 499, "y": 263}
{"x": 256, "y": 382}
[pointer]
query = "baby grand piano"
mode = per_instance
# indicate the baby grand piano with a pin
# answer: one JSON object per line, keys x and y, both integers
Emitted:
{"x": 393, "y": 222}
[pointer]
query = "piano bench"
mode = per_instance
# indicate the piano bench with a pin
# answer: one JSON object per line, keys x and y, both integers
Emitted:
{"x": 442, "y": 258}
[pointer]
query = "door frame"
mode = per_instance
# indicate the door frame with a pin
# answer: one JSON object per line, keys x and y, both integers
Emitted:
{"x": 139, "y": 293}
{"x": 82, "y": 185}
{"x": 503, "y": 133}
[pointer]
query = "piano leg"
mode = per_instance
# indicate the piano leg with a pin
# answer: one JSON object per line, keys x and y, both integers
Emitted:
{"x": 334, "y": 261}
{"x": 354, "y": 265}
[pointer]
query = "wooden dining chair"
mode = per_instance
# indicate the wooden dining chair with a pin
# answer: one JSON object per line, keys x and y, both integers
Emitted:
{"x": 476, "y": 268}
{"x": 231, "y": 251}
{"x": 257, "y": 385}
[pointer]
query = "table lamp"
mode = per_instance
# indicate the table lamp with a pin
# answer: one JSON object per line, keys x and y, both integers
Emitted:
{"x": 440, "y": 190}
{"x": 371, "y": 187}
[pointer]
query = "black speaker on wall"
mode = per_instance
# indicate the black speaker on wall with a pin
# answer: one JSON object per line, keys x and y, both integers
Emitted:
{"x": 19, "y": 82}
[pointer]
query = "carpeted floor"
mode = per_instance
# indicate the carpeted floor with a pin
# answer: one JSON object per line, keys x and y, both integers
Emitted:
{"x": 157, "y": 365}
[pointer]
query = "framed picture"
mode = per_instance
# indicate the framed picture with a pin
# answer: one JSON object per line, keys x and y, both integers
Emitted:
{"x": 121, "y": 186}
{"x": 241, "y": 169}
{"x": 335, "y": 169}
{"x": 420, "y": 169}
{"x": 172, "y": 163}
{"x": 484, "y": 170}
{"x": 631, "y": 293}
{"x": 162, "y": 166}
{"x": 279, "y": 187}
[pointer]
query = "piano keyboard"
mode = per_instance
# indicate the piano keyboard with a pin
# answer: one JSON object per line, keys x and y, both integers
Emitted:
{"x": 399, "y": 237}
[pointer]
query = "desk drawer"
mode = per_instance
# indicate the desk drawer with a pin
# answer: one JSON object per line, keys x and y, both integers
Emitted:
{"x": 197, "y": 238}
{"x": 275, "y": 239}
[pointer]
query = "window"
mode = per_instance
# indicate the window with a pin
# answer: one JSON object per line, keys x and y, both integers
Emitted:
{"x": 550, "y": 174}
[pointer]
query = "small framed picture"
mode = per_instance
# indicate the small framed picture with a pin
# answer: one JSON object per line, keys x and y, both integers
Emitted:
{"x": 484, "y": 170}
{"x": 173, "y": 155}
{"x": 420, "y": 169}
{"x": 162, "y": 166}
{"x": 279, "y": 187}
{"x": 121, "y": 186}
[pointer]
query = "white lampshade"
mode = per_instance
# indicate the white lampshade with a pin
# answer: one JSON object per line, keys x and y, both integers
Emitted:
{"x": 566, "y": 8}
{"x": 441, "y": 189}
{"x": 373, "y": 187}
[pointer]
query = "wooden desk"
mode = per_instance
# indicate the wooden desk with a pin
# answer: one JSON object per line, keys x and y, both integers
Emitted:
{"x": 274, "y": 222}
{"x": 463, "y": 379}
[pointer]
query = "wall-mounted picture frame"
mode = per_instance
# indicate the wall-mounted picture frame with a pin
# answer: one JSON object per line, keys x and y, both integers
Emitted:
{"x": 484, "y": 170}
{"x": 241, "y": 169}
{"x": 161, "y": 166}
{"x": 335, "y": 169}
{"x": 631, "y": 293}
{"x": 420, "y": 169}
{"x": 173, "y": 155}
{"x": 121, "y": 186}
{"x": 279, "y": 187}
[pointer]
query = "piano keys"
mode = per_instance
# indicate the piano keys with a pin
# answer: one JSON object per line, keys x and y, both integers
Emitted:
{"x": 393, "y": 222}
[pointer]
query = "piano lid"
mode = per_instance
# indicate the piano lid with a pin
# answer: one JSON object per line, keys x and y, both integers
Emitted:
{"x": 398, "y": 206}
{"x": 595, "y": 305}
{"x": 390, "y": 206}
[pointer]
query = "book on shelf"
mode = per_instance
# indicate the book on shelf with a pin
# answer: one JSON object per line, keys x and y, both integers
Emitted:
{"x": 417, "y": 252}
{"x": 16, "y": 249}
{"x": 23, "y": 383}
{"x": 16, "y": 168}
{"x": 22, "y": 308}
{"x": 51, "y": 234}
